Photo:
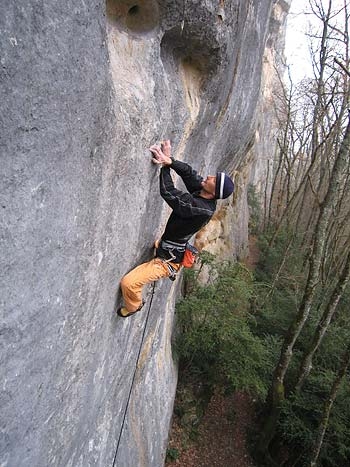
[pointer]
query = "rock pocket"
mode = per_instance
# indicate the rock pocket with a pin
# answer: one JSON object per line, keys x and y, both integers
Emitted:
{"x": 135, "y": 17}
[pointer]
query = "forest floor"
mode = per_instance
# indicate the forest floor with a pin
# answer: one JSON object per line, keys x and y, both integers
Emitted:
{"x": 222, "y": 437}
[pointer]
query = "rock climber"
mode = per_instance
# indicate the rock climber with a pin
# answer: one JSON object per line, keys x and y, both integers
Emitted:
{"x": 191, "y": 211}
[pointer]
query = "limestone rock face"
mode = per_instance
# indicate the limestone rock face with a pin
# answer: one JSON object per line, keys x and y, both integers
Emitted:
{"x": 263, "y": 153}
{"x": 86, "y": 88}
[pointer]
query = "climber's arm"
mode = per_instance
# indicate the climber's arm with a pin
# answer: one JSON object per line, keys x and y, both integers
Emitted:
{"x": 182, "y": 203}
{"x": 189, "y": 176}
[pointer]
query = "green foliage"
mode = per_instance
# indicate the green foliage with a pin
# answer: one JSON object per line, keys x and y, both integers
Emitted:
{"x": 278, "y": 284}
{"x": 280, "y": 279}
{"x": 217, "y": 341}
{"x": 172, "y": 454}
{"x": 301, "y": 415}
{"x": 230, "y": 334}
{"x": 254, "y": 210}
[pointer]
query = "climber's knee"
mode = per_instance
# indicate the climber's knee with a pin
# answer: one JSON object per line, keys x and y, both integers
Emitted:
{"x": 126, "y": 282}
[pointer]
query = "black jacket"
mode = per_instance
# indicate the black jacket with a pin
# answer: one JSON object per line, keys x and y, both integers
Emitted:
{"x": 190, "y": 211}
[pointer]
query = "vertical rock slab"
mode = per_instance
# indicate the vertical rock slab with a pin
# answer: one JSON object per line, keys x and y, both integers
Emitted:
{"x": 86, "y": 87}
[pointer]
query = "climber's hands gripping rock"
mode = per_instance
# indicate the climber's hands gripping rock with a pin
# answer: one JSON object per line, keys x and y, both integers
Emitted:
{"x": 161, "y": 155}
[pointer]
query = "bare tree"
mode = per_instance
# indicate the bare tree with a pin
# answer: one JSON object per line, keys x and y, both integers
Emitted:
{"x": 315, "y": 200}
{"x": 317, "y": 136}
{"x": 277, "y": 392}
{"x": 328, "y": 407}
{"x": 306, "y": 363}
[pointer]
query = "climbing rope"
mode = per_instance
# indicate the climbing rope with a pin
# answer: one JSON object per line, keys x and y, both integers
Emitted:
{"x": 133, "y": 378}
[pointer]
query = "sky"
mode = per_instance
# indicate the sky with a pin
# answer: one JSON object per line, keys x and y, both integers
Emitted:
{"x": 297, "y": 43}
{"x": 296, "y": 49}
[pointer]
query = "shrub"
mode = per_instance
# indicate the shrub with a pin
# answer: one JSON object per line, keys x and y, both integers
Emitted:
{"x": 172, "y": 454}
{"x": 216, "y": 340}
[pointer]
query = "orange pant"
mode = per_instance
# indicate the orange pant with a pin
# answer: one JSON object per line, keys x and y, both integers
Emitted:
{"x": 133, "y": 282}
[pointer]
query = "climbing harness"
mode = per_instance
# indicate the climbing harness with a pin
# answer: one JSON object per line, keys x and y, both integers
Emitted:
{"x": 180, "y": 253}
{"x": 172, "y": 271}
{"x": 174, "y": 254}
{"x": 173, "y": 248}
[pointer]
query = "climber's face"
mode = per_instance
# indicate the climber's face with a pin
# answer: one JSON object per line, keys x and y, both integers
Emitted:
{"x": 208, "y": 184}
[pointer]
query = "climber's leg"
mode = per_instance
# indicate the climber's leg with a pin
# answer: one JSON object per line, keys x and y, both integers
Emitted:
{"x": 133, "y": 282}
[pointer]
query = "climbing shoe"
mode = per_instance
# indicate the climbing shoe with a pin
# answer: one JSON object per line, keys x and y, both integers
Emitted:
{"x": 124, "y": 313}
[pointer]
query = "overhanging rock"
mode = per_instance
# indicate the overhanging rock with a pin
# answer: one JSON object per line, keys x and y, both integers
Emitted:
{"x": 86, "y": 88}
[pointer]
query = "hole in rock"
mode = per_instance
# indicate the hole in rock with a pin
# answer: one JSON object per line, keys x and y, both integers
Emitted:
{"x": 137, "y": 17}
{"x": 133, "y": 10}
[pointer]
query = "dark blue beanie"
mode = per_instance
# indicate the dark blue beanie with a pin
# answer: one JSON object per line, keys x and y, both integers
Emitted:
{"x": 224, "y": 186}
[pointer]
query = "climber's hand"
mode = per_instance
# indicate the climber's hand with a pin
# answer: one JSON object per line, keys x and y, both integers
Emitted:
{"x": 158, "y": 155}
{"x": 166, "y": 147}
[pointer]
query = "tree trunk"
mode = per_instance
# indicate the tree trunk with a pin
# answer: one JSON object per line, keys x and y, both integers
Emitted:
{"x": 273, "y": 204}
{"x": 316, "y": 121}
{"x": 328, "y": 407}
{"x": 277, "y": 390}
{"x": 323, "y": 324}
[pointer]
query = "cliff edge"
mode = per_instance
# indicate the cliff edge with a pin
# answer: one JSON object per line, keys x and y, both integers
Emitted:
{"x": 86, "y": 88}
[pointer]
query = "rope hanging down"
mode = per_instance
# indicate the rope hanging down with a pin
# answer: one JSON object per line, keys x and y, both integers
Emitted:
{"x": 133, "y": 378}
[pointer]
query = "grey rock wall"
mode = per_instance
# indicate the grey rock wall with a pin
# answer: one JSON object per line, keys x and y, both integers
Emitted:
{"x": 85, "y": 88}
{"x": 263, "y": 154}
